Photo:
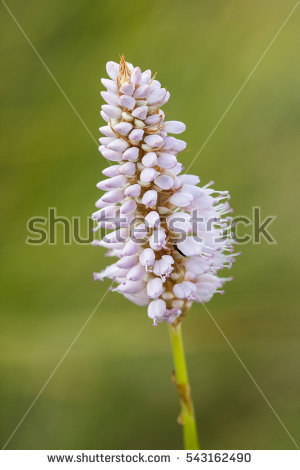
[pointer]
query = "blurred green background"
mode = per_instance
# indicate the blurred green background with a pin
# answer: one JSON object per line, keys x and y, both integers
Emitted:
{"x": 114, "y": 389}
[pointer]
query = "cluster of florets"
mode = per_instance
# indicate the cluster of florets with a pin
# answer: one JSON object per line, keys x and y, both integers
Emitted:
{"x": 170, "y": 235}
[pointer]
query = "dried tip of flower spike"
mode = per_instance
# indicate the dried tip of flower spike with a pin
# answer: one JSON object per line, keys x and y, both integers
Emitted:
{"x": 124, "y": 72}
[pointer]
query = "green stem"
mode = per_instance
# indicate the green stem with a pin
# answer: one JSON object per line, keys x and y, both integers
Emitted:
{"x": 187, "y": 417}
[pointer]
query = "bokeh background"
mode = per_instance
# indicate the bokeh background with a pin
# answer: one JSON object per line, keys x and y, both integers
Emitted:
{"x": 114, "y": 389}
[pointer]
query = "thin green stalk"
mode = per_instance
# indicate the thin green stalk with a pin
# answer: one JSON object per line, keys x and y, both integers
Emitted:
{"x": 187, "y": 417}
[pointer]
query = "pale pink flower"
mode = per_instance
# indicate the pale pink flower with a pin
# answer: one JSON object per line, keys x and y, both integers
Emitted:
{"x": 165, "y": 260}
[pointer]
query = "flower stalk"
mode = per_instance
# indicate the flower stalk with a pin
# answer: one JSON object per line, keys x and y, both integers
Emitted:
{"x": 169, "y": 236}
{"x": 180, "y": 378}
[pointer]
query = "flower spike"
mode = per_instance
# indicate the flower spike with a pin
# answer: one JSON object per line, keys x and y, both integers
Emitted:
{"x": 169, "y": 234}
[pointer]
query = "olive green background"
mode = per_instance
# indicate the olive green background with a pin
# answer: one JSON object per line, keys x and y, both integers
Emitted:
{"x": 113, "y": 390}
